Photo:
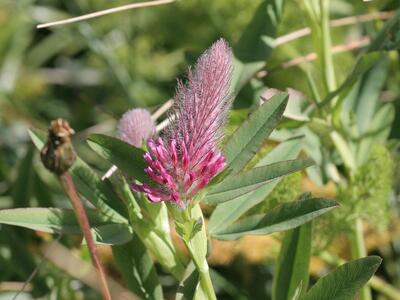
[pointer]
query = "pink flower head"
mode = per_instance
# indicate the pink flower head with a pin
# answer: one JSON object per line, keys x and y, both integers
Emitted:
{"x": 136, "y": 126}
{"x": 186, "y": 158}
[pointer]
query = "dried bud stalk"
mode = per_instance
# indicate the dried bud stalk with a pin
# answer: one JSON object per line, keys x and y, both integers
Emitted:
{"x": 58, "y": 156}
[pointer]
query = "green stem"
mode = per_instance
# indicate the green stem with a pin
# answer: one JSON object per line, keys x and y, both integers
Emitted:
{"x": 152, "y": 226}
{"x": 203, "y": 269}
{"x": 358, "y": 250}
{"x": 384, "y": 288}
{"x": 327, "y": 58}
{"x": 196, "y": 243}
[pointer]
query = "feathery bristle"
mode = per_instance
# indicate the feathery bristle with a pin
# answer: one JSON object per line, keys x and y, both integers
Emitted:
{"x": 187, "y": 157}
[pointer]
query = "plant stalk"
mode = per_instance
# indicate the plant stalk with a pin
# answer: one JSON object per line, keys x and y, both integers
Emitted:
{"x": 203, "y": 269}
{"x": 358, "y": 250}
{"x": 68, "y": 184}
{"x": 196, "y": 244}
{"x": 327, "y": 60}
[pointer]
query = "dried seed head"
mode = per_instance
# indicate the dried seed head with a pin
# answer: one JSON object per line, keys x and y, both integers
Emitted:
{"x": 58, "y": 154}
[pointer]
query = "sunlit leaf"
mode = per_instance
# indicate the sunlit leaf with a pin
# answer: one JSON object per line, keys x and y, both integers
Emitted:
{"x": 282, "y": 217}
{"x": 249, "y": 137}
{"x": 344, "y": 282}
{"x": 55, "y": 220}
{"x": 242, "y": 183}
{"x": 228, "y": 212}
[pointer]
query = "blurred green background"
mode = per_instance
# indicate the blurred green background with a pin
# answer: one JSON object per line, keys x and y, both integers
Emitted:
{"x": 91, "y": 72}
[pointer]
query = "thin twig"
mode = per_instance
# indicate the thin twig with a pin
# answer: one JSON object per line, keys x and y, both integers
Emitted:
{"x": 105, "y": 12}
{"x": 355, "y": 44}
{"x": 83, "y": 221}
{"x": 163, "y": 108}
{"x": 335, "y": 23}
{"x": 164, "y": 124}
{"x": 15, "y": 286}
{"x": 109, "y": 172}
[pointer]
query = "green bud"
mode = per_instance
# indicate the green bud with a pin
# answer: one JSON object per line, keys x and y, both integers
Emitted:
{"x": 58, "y": 154}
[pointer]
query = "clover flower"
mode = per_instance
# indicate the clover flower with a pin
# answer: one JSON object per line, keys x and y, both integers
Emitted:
{"x": 186, "y": 157}
{"x": 136, "y": 126}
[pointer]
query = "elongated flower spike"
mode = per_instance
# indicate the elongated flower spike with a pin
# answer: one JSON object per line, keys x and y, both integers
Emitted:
{"x": 186, "y": 157}
{"x": 136, "y": 127}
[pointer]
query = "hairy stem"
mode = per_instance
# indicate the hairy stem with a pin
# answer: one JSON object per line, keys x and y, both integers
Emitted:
{"x": 83, "y": 221}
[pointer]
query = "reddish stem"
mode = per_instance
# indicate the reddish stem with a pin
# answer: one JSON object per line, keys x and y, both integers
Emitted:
{"x": 83, "y": 221}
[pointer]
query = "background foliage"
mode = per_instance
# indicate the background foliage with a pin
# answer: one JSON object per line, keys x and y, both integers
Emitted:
{"x": 91, "y": 72}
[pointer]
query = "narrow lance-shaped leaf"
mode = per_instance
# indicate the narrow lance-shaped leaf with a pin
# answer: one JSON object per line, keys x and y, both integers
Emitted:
{"x": 242, "y": 183}
{"x": 293, "y": 263}
{"x": 282, "y": 217}
{"x": 344, "y": 282}
{"x": 126, "y": 157}
{"x": 228, "y": 212}
{"x": 389, "y": 37}
{"x": 250, "y": 136}
{"x": 55, "y": 220}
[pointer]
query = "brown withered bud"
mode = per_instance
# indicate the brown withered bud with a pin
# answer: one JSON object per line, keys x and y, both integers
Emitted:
{"x": 58, "y": 154}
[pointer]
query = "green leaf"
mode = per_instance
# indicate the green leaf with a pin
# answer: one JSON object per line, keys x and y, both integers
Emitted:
{"x": 188, "y": 286}
{"x": 378, "y": 132}
{"x": 137, "y": 268}
{"x": 22, "y": 187}
{"x": 293, "y": 263}
{"x": 389, "y": 37}
{"x": 364, "y": 63}
{"x": 282, "y": 217}
{"x": 112, "y": 234}
{"x": 228, "y": 212}
{"x": 251, "y": 135}
{"x": 369, "y": 94}
{"x": 242, "y": 183}
{"x": 89, "y": 184}
{"x": 127, "y": 158}
{"x": 99, "y": 193}
{"x": 55, "y": 220}
{"x": 256, "y": 42}
{"x": 345, "y": 281}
